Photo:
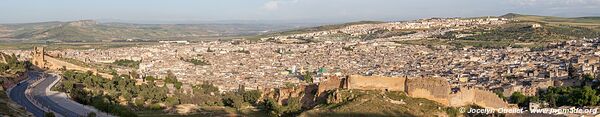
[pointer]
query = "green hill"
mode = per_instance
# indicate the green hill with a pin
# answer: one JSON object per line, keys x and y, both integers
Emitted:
{"x": 588, "y": 22}
{"x": 313, "y": 29}
{"x": 531, "y": 30}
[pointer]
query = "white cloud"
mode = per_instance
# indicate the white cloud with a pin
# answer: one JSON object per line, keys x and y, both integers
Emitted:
{"x": 276, "y": 4}
{"x": 271, "y": 5}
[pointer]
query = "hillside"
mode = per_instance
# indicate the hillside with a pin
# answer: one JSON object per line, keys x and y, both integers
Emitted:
{"x": 379, "y": 104}
{"x": 325, "y": 27}
{"x": 588, "y": 22}
{"x": 313, "y": 29}
{"x": 91, "y": 31}
{"x": 9, "y": 108}
{"x": 9, "y": 70}
{"x": 512, "y": 29}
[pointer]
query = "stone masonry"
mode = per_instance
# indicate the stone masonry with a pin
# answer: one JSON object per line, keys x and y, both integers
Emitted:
{"x": 435, "y": 89}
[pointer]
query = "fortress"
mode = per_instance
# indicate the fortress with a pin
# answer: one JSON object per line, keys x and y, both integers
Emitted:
{"x": 42, "y": 60}
{"x": 435, "y": 89}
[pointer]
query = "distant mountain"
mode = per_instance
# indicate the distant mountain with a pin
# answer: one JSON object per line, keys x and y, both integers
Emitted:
{"x": 553, "y": 19}
{"x": 92, "y": 31}
{"x": 511, "y": 15}
{"x": 518, "y": 29}
{"x": 592, "y": 18}
{"x": 314, "y": 29}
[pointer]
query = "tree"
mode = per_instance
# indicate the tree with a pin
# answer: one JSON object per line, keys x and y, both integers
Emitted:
{"x": 519, "y": 98}
{"x": 171, "y": 78}
{"x": 3, "y": 67}
{"x": 233, "y": 100}
{"x": 294, "y": 105}
{"x": 534, "y": 99}
{"x": 271, "y": 106}
{"x": 251, "y": 96}
{"x": 68, "y": 86}
{"x": 49, "y": 114}
{"x": 127, "y": 63}
{"x": 308, "y": 77}
{"x": 584, "y": 97}
{"x": 171, "y": 101}
{"x": 139, "y": 101}
{"x": 588, "y": 77}
{"x": 149, "y": 79}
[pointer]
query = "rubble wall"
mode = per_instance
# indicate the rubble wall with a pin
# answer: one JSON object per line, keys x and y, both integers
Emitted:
{"x": 47, "y": 62}
{"x": 483, "y": 98}
{"x": 284, "y": 94}
{"x": 436, "y": 89}
{"x": 330, "y": 84}
{"x": 55, "y": 64}
{"x": 488, "y": 99}
{"x": 376, "y": 83}
{"x": 462, "y": 98}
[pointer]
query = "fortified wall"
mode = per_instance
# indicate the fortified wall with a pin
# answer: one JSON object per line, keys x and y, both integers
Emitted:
{"x": 435, "y": 89}
{"x": 42, "y": 60}
{"x": 332, "y": 83}
{"x": 483, "y": 98}
{"x": 305, "y": 93}
{"x": 376, "y": 83}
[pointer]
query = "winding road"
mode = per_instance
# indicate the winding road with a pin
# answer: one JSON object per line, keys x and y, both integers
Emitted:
{"x": 17, "y": 94}
{"x": 39, "y": 99}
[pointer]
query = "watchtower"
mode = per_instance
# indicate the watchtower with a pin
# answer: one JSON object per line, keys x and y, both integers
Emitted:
{"x": 37, "y": 57}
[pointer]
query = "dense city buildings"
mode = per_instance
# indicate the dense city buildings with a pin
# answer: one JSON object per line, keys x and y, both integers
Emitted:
{"x": 370, "y": 56}
{"x": 267, "y": 64}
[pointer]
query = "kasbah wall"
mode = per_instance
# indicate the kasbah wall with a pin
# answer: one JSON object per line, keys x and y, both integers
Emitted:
{"x": 435, "y": 89}
{"x": 376, "y": 83}
{"x": 42, "y": 60}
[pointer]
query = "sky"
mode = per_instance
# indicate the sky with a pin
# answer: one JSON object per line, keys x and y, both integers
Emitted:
{"x": 149, "y": 11}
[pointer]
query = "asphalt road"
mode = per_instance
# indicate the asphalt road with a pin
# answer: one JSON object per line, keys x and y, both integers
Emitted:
{"x": 38, "y": 93}
{"x": 17, "y": 94}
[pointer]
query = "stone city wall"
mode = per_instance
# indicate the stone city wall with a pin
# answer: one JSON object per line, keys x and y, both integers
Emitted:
{"x": 40, "y": 59}
{"x": 331, "y": 83}
{"x": 483, "y": 98}
{"x": 488, "y": 99}
{"x": 376, "y": 83}
{"x": 436, "y": 89}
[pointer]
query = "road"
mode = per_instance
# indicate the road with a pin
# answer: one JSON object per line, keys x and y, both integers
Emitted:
{"x": 39, "y": 94}
{"x": 55, "y": 101}
{"x": 17, "y": 94}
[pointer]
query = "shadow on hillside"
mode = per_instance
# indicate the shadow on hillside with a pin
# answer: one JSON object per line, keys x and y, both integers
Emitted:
{"x": 358, "y": 114}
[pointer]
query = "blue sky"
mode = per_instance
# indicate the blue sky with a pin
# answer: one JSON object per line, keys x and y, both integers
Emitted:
{"x": 20, "y": 11}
